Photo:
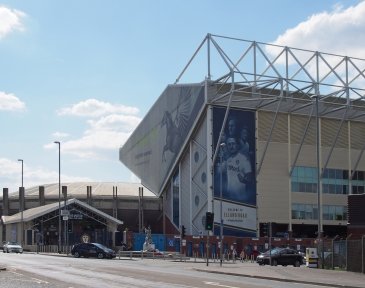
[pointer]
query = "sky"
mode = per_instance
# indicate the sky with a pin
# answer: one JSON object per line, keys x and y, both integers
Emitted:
{"x": 86, "y": 72}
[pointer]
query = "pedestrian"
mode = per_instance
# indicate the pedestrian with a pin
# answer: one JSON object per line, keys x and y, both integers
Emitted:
{"x": 234, "y": 255}
{"x": 242, "y": 255}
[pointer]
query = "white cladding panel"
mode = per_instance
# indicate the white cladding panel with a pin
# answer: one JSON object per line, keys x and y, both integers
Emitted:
{"x": 273, "y": 184}
{"x": 185, "y": 198}
{"x": 199, "y": 183}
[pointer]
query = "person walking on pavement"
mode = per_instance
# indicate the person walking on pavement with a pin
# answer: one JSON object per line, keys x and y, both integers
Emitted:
{"x": 242, "y": 255}
{"x": 234, "y": 255}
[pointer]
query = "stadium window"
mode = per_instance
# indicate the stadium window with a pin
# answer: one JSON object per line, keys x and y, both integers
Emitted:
{"x": 339, "y": 174}
{"x": 315, "y": 212}
{"x": 294, "y": 187}
{"x": 338, "y": 189}
{"x": 325, "y": 188}
{"x": 355, "y": 176}
{"x": 325, "y": 213}
{"x": 360, "y": 175}
{"x": 360, "y": 189}
{"x": 302, "y": 187}
{"x": 295, "y": 172}
{"x": 331, "y": 189}
{"x": 325, "y": 173}
{"x": 309, "y": 212}
{"x": 332, "y": 174}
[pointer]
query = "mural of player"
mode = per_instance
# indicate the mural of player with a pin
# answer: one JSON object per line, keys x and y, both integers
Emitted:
{"x": 237, "y": 169}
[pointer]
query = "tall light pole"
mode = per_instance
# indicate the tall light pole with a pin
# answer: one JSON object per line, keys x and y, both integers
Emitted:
{"x": 21, "y": 203}
{"x": 59, "y": 195}
{"x": 222, "y": 145}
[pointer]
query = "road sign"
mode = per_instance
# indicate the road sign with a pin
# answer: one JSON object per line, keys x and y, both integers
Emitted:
{"x": 65, "y": 212}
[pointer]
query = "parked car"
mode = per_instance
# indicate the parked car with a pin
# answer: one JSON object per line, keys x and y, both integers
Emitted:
{"x": 337, "y": 261}
{"x": 280, "y": 256}
{"x": 92, "y": 250}
{"x": 12, "y": 246}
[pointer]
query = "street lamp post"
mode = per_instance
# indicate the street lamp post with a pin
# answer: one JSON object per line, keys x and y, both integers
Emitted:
{"x": 222, "y": 145}
{"x": 21, "y": 203}
{"x": 319, "y": 208}
{"x": 59, "y": 195}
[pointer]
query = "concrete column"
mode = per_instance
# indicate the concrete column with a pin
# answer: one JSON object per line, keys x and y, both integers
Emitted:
{"x": 42, "y": 201}
{"x": 5, "y": 201}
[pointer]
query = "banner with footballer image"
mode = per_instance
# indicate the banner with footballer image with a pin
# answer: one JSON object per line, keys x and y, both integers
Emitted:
{"x": 234, "y": 170}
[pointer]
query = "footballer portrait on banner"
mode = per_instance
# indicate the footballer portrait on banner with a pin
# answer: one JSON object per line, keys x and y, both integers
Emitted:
{"x": 234, "y": 173}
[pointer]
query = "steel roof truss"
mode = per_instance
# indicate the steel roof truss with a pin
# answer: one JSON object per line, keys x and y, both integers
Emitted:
{"x": 357, "y": 163}
{"x": 270, "y": 135}
{"x": 302, "y": 140}
{"x": 332, "y": 69}
{"x": 270, "y": 63}
{"x": 334, "y": 142}
{"x": 301, "y": 66}
{"x": 361, "y": 73}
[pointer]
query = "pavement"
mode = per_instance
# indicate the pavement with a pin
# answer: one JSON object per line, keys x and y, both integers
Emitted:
{"x": 303, "y": 274}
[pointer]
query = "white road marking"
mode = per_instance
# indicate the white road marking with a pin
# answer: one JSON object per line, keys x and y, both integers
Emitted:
{"x": 219, "y": 285}
{"x": 39, "y": 281}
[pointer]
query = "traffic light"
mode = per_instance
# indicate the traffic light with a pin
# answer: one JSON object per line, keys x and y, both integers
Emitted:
{"x": 209, "y": 221}
{"x": 265, "y": 229}
{"x": 183, "y": 231}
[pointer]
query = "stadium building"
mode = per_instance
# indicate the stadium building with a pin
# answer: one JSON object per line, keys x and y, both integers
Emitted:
{"x": 260, "y": 134}
{"x": 54, "y": 220}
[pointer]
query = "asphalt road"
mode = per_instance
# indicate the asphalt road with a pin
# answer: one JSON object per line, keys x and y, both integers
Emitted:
{"x": 36, "y": 270}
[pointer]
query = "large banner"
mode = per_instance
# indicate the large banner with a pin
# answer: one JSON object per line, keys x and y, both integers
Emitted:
{"x": 234, "y": 170}
{"x": 155, "y": 144}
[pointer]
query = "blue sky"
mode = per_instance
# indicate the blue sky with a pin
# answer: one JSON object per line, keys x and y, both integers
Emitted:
{"x": 85, "y": 72}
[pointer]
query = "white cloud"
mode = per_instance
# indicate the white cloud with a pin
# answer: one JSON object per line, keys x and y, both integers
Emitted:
{"x": 90, "y": 144}
{"x": 335, "y": 34}
{"x": 60, "y": 135}
{"x": 10, "y": 20}
{"x": 110, "y": 127}
{"x": 339, "y": 31}
{"x": 96, "y": 108}
{"x": 10, "y": 175}
{"x": 115, "y": 122}
{"x": 10, "y": 102}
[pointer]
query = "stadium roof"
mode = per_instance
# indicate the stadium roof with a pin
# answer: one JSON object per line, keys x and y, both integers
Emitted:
{"x": 79, "y": 190}
{"x": 280, "y": 78}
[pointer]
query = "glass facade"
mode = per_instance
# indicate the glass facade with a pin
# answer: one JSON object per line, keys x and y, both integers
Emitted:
{"x": 310, "y": 212}
{"x": 334, "y": 181}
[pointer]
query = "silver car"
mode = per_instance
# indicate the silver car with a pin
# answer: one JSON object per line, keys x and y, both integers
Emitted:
{"x": 12, "y": 246}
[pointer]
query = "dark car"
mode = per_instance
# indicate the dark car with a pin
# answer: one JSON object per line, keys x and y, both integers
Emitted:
{"x": 280, "y": 256}
{"x": 92, "y": 250}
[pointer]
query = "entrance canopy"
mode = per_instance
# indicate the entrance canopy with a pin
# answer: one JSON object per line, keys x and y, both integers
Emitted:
{"x": 71, "y": 204}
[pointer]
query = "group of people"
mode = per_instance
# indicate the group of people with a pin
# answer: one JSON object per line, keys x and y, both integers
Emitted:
{"x": 243, "y": 255}
{"x": 247, "y": 257}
